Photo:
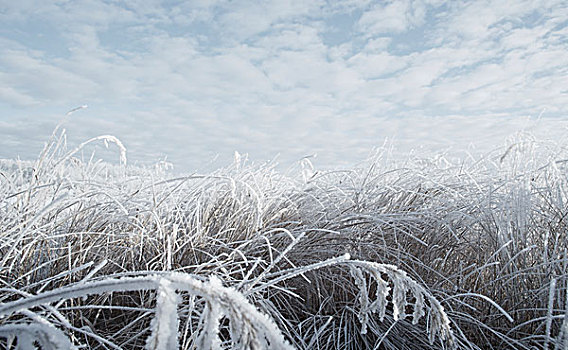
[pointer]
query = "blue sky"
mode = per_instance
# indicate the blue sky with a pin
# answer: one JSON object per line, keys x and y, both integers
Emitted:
{"x": 192, "y": 80}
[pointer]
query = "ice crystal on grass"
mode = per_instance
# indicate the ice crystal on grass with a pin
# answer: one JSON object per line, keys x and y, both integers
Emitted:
{"x": 469, "y": 252}
{"x": 164, "y": 326}
{"x": 403, "y": 288}
{"x": 250, "y": 328}
{"x": 26, "y": 335}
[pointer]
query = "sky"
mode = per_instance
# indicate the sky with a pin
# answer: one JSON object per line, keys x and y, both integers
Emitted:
{"x": 193, "y": 81}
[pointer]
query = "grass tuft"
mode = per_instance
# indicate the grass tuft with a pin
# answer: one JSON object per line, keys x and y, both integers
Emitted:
{"x": 417, "y": 253}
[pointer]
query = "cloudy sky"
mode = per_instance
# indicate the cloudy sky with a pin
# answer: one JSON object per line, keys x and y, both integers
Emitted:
{"x": 195, "y": 80}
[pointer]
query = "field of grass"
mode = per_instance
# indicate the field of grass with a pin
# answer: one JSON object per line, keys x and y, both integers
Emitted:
{"x": 417, "y": 253}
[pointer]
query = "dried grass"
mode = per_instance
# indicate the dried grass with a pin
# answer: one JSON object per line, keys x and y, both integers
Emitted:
{"x": 394, "y": 254}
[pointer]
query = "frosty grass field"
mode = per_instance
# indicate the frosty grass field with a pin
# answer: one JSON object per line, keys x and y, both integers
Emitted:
{"x": 392, "y": 254}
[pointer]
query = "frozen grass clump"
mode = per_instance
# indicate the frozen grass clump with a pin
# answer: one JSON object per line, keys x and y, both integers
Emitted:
{"x": 410, "y": 253}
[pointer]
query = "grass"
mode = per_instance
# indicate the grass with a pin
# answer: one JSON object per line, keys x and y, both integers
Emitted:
{"x": 417, "y": 253}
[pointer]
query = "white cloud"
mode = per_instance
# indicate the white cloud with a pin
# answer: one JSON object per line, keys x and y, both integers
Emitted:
{"x": 16, "y": 98}
{"x": 374, "y": 66}
{"x": 27, "y": 73}
{"x": 201, "y": 78}
{"x": 392, "y": 17}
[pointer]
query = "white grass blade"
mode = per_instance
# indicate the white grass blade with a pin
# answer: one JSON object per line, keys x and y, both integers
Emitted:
{"x": 165, "y": 324}
{"x": 47, "y": 336}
